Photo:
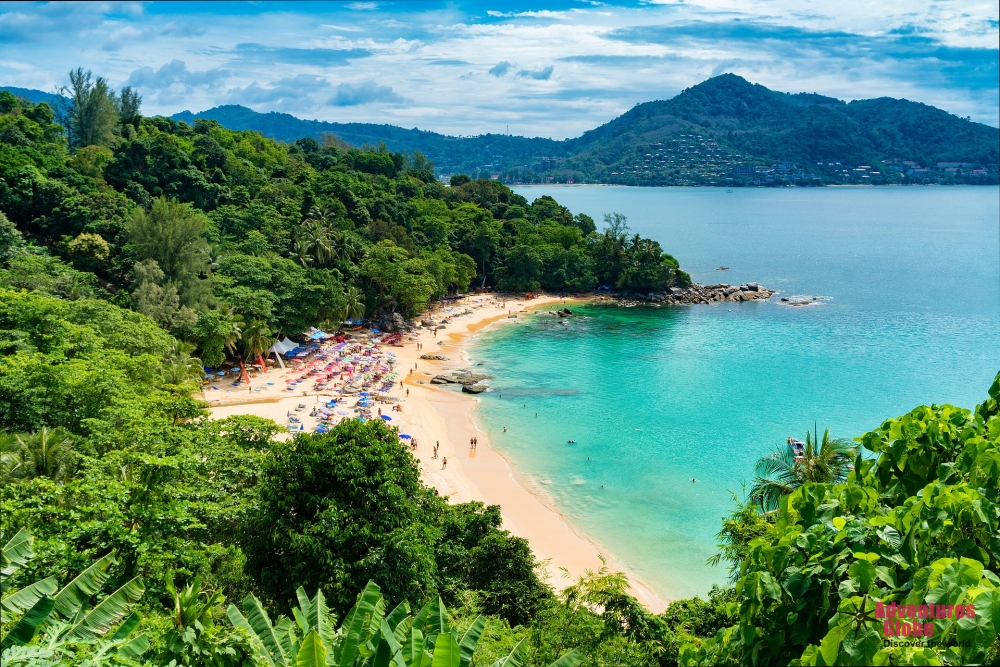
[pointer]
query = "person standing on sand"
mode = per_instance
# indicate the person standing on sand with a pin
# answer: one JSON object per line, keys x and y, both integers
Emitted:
{"x": 444, "y": 463}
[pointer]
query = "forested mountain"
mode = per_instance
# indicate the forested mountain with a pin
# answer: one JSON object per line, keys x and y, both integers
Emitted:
{"x": 710, "y": 130}
{"x": 724, "y": 130}
{"x": 450, "y": 154}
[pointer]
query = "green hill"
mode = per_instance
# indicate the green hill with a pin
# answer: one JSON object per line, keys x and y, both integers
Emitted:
{"x": 708, "y": 131}
{"x": 450, "y": 154}
{"x": 724, "y": 131}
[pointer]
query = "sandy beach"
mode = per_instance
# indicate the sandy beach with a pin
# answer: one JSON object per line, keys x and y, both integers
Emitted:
{"x": 436, "y": 413}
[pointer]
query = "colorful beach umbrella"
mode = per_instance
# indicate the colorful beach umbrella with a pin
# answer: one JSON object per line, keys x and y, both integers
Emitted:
{"x": 387, "y": 418}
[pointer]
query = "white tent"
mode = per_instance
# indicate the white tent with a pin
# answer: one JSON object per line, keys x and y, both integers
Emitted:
{"x": 283, "y": 346}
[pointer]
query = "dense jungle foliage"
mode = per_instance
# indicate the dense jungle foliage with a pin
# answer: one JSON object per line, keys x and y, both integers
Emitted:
{"x": 136, "y": 531}
{"x": 202, "y": 228}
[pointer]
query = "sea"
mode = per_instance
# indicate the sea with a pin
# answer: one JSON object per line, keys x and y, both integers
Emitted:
{"x": 642, "y": 425}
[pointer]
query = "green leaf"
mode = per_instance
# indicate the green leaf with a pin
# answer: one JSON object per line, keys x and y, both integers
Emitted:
{"x": 795, "y": 582}
{"x": 569, "y": 659}
{"x": 16, "y": 552}
{"x": 109, "y": 611}
{"x": 239, "y": 621}
{"x": 863, "y": 572}
{"x": 447, "y": 652}
{"x": 886, "y": 574}
{"x": 76, "y": 593}
{"x": 987, "y": 605}
{"x": 401, "y": 611}
{"x": 134, "y": 648}
{"x": 963, "y": 573}
{"x": 25, "y": 628}
{"x": 839, "y": 522}
{"x": 861, "y": 645}
{"x": 769, "y": 587}
{"x": 126, "y": 628}
{"x": 413, "y": 649}
{"x": 515, "y": 658}
{"x": 311, "y": 653}
{"x": 978, "y": 630}
{"x": 258, "y": 626}
{"x": 18, "y": 601}
{"x": 389, "y": 647}
{"x": 470, "y": 639}
{"x": 357, "y": 622}
{"x": 830, "y": 646}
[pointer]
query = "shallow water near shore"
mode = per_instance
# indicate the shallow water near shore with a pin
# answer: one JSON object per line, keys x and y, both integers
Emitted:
{"x": 656, "y": 397}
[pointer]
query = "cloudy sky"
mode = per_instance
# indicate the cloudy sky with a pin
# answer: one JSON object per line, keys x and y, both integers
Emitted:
{"x": 549, "y": 68}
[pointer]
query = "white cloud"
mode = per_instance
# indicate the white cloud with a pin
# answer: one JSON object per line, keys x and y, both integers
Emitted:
{"x": 364, "y": 92}
{"x": 544, "y": 72}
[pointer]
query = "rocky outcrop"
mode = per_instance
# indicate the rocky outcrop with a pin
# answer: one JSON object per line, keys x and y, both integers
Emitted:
{"x": 433, "y": 357}
{"x": 462, "y": 377}
{"x": 695, "y": 294}
{"x": 474, "y": 388}
{"x": 565, "y": 312}
{"x": 392, "y": 322}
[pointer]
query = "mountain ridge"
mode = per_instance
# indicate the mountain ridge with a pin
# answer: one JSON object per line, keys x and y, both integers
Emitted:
{"x": 722, "y": 130}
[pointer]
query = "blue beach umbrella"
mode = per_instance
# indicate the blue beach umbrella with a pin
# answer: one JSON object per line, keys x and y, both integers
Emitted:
{"x": 387, "y": 418}
{"x": 405, "y": 437}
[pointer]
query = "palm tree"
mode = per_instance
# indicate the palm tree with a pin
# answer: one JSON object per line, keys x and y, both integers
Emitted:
{"x": 11, "y": 458}
{"x": 355, "y": 308}
{"x": 257, "y": 337}
{"x": 302, "y": 255}
{"x": 179, "y": 366}
{"x": 315, "y": 238}
{"x": 47, "y": 453}
{"x": 781, "y": 472}
{"x": 232, "y": 326}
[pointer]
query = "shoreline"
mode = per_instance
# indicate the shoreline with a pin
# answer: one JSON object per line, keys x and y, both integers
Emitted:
{"x": 432, "y": 413}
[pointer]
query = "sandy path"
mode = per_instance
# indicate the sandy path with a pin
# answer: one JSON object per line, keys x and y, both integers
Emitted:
{"x": 435, "y": 414}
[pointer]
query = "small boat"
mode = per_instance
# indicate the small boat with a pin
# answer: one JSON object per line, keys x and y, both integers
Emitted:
{"x": 798, "y": 448}
{"x": 722, "y": 268}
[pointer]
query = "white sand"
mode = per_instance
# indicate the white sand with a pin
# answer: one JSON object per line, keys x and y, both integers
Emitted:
{"x": 433, "y": 414}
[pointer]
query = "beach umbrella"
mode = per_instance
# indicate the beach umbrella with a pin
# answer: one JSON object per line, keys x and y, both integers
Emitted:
{"x": 405, "y": 437}
{"x": 387, "y": 418}
{"x": 364, "y": 393}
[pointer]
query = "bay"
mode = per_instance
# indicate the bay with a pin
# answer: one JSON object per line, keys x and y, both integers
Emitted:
{"x": 910, "y": 280}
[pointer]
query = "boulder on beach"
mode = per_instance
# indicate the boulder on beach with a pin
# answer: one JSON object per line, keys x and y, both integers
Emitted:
{"x": 433, "y": 357}
{"x": 474, "y": 388}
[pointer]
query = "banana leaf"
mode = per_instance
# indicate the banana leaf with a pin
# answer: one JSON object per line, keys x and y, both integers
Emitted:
{"x": 16, "y": 552}
{"x": 109, "y": 611}
{"x": 126, "y": 628}
{"x": 239, "y": 621}
{"x": 134, "y": 648}
{"x": 258, "y": 626}
{"x": 570, "y": 658}
{"x": 76, "y": 593}
{"x": 25, "y": 628}
{"x": 515, "y": 658}
{"x": 311, "y": 653}
{"x": 447, "y": 652}
{"x": 357, "y": 623}
{"x": 25, "y": 598}
{"x": 470, "y": 639}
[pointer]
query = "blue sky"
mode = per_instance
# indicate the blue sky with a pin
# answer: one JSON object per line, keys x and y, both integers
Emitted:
{"x": 552, "y": 69}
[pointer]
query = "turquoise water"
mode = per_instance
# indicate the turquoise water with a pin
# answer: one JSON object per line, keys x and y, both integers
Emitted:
{"x": 654, "y": 397}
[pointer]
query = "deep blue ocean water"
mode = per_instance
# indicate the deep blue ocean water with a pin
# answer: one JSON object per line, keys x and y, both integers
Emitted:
{"x": 654, "y": 397}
